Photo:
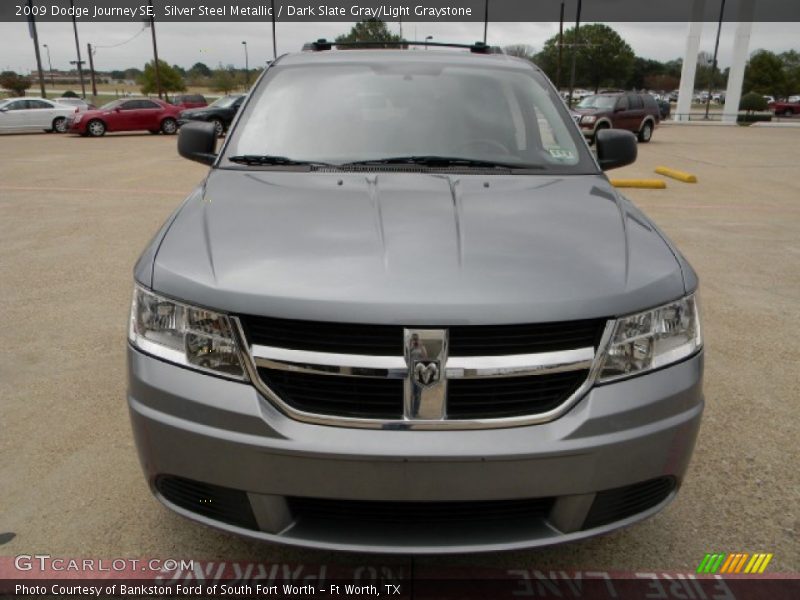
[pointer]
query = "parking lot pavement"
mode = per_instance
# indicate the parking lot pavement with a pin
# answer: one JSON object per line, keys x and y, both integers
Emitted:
{"x": 75, "y": 213}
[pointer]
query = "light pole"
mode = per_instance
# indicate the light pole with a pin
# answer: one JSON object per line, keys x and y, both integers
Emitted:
{"x": 714, "y": 62}
{"x": 246, "y": 66}
{"x": 78, "y": 62}
{"x": 430, "y": 37}
{"x": 50, "y": 65}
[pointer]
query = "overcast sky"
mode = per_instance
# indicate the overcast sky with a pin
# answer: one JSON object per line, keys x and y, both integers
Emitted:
{"x": 214, "y": 43}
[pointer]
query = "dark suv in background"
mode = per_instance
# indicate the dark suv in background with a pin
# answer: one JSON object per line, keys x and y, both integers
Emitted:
{"x": 635, "y": 112}
{"x": 189, "y": 101}
{"x": 220, "y": 113}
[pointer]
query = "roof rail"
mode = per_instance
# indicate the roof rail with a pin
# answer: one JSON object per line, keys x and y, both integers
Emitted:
{"x": 322, "y": 45}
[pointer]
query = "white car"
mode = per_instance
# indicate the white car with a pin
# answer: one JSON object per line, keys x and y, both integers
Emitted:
{"x": 17, "y": 114}
{"x": 80, "y": 104}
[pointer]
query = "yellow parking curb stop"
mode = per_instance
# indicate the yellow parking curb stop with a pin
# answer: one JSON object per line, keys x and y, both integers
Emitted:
{"x": 651, "y": 184}
{"x": 675, "y": 174}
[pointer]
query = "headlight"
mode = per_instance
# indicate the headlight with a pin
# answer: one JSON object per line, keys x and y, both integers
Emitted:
{"x": 652, "y": 339}
{"x": 186, "y": 335}
{"x": 588, "y": 119}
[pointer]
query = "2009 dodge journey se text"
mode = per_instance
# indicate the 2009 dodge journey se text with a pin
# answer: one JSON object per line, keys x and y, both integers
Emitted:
{"x": 407, "y": 312}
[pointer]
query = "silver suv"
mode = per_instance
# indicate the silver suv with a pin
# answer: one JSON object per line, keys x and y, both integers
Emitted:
{"x": 407, "y": 312}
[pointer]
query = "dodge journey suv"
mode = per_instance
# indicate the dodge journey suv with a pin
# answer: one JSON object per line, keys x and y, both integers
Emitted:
{"x": 407, "y": 312}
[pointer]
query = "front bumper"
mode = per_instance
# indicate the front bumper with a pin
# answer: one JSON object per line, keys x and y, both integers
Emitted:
{"x": 207, "y": 430}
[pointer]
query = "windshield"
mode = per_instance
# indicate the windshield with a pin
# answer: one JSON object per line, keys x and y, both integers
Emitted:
{"x": 605, "y": 102}
{"x": 225, "y": 101}
{"x": 370, "y": 112}
{"x": 111, "y": 105}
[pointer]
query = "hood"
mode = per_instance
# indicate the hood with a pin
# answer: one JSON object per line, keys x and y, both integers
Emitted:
{"x": 414, "y": 248}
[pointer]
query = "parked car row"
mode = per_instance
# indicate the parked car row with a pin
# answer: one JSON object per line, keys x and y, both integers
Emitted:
{"x": 75, "y": 115}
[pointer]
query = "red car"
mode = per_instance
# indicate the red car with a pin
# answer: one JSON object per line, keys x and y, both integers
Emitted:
{"x": 787, "y": 109}
{"x": 133, "y": 114}
{"x": 185, "y": 101}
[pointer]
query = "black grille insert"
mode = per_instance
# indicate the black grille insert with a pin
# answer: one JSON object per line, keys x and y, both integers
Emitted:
{"x": 433, "y": 514}
{"x": 387, "y": 340}
{"x": 620, "y": 503}
{"x": 213, "y": 501}
{"x": 510, "y": 396}
{"x": 360, "y": 397}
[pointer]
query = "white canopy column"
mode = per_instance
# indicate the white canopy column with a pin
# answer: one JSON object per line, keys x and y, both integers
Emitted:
{"x": 741, "y": 47}
{"x": 689, "y": 68}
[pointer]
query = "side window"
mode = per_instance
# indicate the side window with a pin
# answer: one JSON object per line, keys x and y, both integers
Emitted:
{"x": 147, "y": 104}
{"x": 38, "y": 104}
{"x": 129, "y": 105}
{"x": 18, "y": 105}
{"x": 635, "y": 102}
{"x": 622, "y": 103}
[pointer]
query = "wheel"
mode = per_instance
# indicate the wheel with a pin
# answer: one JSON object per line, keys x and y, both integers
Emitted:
{"x": 646, "y": 132}
{"x": 169, "y": 126}
{"x": 599, "y": 128}
{"x": 788, "y": 112}
{"x": 96, "y": 128}
{"x": 60, "y": 125}
{"x": 154, "y": 131}
{"x": 219, "y": 128}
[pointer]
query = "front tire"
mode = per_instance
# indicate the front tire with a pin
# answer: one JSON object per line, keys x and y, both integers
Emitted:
{"x": 646, "y": 133}
{"x": 96, "y": 128}
{"x": 788, "y": 112}
{"x": 219, "y": 128}
{"x": 169, "y": 126}
{"x": 60, "y": 125}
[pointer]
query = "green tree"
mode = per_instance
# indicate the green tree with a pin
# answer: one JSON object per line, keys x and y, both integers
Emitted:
{"x": 642, "y": 69}
{"x": 200, "y": 70}
{"x": 16, "y": 84}
{"x": 521, "y": 51}
{"x": 753, "y": 101}
{"x": 370, "y": 30}
{"x": 133, "y": 74}
{"x": 223, "y": 80}
{"x": 171, "y": 80}
{"x": 765, "y": 74}
{"x": 791, "y": 66}
{"x": 603, "y": 58}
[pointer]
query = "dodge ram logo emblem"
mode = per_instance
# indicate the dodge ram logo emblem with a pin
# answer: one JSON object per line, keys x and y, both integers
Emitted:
{"x": 426, "y": 372}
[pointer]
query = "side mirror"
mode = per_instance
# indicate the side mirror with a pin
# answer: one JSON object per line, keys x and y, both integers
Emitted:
{"x": 198, "y": 141}
{"x": 615, "y": 148}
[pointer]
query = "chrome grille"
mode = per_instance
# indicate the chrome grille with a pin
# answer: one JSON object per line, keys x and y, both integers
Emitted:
{"x": 387, "y": 340}
{"x": 385, "y": 376}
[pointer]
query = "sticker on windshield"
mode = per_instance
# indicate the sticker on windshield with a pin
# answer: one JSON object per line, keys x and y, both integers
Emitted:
{"x": 560, "y": 153}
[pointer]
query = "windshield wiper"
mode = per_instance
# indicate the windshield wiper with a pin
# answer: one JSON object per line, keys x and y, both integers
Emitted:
{"x": 442, "y": 161}
{"x": 269, "y": 159}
